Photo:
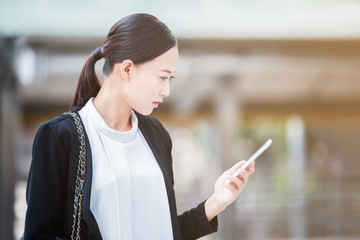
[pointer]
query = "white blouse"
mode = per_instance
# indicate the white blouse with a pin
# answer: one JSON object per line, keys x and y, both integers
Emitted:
{"x": 128, "y": 194}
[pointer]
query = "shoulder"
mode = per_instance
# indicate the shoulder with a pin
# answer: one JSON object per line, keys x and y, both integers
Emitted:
{"x": 59, "y": 124}
{"x": 60, "y": 127}
{"x": 53, "y": 144}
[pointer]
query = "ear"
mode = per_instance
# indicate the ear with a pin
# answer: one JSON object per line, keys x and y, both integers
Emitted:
{"x": 125, "y": 68}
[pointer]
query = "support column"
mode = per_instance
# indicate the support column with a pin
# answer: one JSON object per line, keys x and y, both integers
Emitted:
{"x": 296, "y": 151}
{"x": 8, "y": 120}
{"x": 227, "y": 111}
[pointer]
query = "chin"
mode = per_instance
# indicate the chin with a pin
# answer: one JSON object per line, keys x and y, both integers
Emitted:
{"x": 144, "y": 112}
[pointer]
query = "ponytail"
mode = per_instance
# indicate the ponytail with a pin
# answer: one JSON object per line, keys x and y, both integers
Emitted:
{"x": 88, "y": 85}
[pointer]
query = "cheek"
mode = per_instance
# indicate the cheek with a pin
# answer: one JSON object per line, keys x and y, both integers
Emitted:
{"x": 141, "y": 95}
{"x": 150, "y": 86}
{"x": 145, "y": 85}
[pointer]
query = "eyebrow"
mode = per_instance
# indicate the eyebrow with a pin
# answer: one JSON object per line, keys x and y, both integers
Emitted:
{"x": 168, "y": 71}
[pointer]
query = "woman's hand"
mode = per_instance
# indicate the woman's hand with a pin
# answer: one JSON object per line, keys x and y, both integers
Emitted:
{"x": 226, "y": 192}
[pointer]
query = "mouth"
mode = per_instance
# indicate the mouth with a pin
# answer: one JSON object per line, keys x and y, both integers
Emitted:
{"x": 156, "y": 104}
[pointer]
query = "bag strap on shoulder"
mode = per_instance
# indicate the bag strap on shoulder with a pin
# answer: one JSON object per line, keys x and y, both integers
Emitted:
{"x": 80, "y": 177}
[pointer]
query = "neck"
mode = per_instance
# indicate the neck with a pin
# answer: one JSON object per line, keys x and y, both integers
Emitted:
{"x": 115, "y": 112}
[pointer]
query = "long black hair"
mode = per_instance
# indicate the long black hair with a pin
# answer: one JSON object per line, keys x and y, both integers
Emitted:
{"x": 138, "y": 37}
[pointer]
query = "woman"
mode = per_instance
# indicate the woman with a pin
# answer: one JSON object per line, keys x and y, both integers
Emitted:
{"x": 128, "y": 190}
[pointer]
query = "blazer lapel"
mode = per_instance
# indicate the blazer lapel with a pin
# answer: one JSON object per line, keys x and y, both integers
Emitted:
{"x": 153, "y": 142}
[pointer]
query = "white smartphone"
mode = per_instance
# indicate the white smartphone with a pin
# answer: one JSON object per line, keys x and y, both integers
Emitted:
{"x": 252, "y": 158}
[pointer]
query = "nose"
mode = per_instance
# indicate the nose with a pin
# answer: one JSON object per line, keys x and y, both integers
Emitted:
{"x": 165, "y": 90}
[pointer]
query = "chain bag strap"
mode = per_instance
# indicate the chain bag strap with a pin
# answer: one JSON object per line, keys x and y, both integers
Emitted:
{"x": 80, "y": 178}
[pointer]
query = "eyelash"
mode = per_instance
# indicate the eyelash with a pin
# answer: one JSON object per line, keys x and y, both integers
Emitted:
{"x": 164, "y": 78}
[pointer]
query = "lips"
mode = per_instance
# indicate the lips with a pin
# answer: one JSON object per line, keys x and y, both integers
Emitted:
{"x": 156, "y": 104}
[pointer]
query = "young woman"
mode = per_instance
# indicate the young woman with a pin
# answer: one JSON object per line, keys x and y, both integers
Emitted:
{"x": 128, "y": 177}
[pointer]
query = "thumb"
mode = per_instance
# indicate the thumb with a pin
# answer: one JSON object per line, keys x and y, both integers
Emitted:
{"x": 236, "y": 167}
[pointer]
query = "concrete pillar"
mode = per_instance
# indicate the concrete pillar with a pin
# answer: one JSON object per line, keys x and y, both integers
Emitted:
{"x": 8, "y": 110}
{"x": 227, "y": 110}
{"x": 296, "y": 154}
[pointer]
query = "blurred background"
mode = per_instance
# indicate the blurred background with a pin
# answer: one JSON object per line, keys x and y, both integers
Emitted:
{"x": 248, "y": 71}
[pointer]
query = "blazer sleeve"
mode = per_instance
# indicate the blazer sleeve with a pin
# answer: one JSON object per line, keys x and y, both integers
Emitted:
{"x": 46, "y": 185}
{"x": 193, "y": 223}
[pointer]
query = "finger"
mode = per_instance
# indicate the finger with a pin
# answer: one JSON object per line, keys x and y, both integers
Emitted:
{"x": 233, "y": 176}
{"x": 234, "y": 171}
{"x": 234, "y": 182}
{"x": 251, "y": 168}
{"x": 243, "y": 175}
{"x": 240, "y": 176}
{"x": 236, "y": 167}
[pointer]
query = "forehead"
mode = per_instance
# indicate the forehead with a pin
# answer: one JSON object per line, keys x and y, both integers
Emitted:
{"x": 166, "y": 62}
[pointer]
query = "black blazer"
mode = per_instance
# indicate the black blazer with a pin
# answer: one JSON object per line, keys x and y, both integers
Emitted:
{"x": 51, "y": 182}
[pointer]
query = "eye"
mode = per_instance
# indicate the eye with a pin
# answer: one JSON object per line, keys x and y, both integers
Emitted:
{"x": 165, "y": 78}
